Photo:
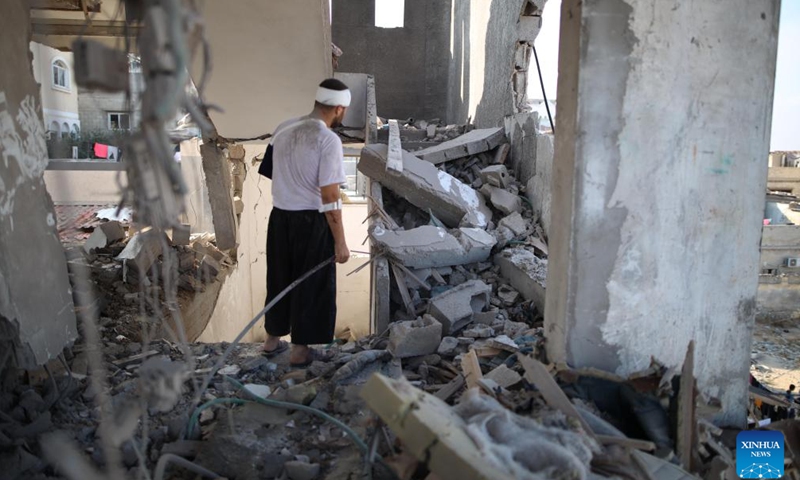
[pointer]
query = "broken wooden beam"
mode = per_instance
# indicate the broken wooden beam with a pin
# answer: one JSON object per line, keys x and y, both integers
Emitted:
{"x": 538, "y": 376}
{"x": 472, "y": 369}
{"x": 686, "y": 441}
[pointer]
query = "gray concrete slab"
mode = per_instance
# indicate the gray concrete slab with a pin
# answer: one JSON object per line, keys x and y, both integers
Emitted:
{"x": 471, "y": 143}
{"x": 455, "y": 308}
{"x": 526, "y": 272}
{"x": 432, "y": 247}
{"x": 428, "y": 188}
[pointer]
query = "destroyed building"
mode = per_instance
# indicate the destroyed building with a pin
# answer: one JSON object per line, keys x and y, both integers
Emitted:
{"x": 573, "y": 304}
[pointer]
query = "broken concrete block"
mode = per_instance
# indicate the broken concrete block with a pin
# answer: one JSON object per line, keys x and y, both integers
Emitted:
{"x": 104, "y": 235}
{"x": 526, "y": 272}
{"x": 504, "y": 376}
{"x": 471, "y": 143}
{"x": 455, "y": 308}
{"x": 448, "y": 346}
{"x": 142, "y": 250}
{"x": 479, "y": 332}
{"x": 429, "y": 246}
{"x": 415, "y": 338}
{"x": 238, "y": 205}
{"x": 503, "y": 342}
{"x": 485, "y": 318}
{"x": 502, "y": 200}
{"x": 181, "y": 234}
{"x": 428, "y": 188}
{"x": 496, "y": 176}
{"x": 528, "y": 28}
{"x": 209, "y": 267}
{"x": 515, "y": 223}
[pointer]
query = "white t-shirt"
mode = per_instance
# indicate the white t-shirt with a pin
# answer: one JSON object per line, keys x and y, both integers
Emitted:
{"x": 304, "y": 158}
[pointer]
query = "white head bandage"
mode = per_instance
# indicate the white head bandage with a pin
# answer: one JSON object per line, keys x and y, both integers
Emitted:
{"x": 333, "y": 98}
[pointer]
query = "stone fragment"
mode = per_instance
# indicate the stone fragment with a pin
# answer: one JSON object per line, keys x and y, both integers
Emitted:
{"x": 528, "y": 28}
{"x": 508, "y": 295}
{"x": 415, "y": 338}
{"x": 502, "y": 200}
{"x": 297, "y": 470}
{"x": 485, "y": 318}
{"x": 302, "y": 394}
{"x": 479, "y": 332}
{"x": 262, "y": 391}
{"x": 526, "y": 272}
{"x": 471, "y": 143}
{"x": 427, "y": 188}
{"x": 515, "y": 223}
{"x": 504, "y": 376}
{"x": 230, "y": 370}
{"x": 455, "y": 308}
{"x": 104, "y": 235}
{"x": 448, "y": 346}
{"x": 502, "y": 342}
{"x": 428, "y": 246}
{"x": 496, "y": 176}
{"x": 209, "y": 267}
{"x": 142, "y": 250}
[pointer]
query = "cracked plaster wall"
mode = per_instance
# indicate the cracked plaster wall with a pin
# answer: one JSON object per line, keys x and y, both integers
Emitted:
{"x": 658, "y": 191}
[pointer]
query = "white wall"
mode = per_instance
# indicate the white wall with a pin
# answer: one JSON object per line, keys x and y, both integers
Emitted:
{"x": 269, "y": 58}
{"x": 58, "y": 105}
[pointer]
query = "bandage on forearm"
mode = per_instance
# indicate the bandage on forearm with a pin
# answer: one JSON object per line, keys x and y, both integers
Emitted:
{"x": 329, "y": 207}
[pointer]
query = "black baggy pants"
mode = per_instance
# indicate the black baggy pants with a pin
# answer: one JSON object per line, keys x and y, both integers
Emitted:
{"x": 298, "y": 241}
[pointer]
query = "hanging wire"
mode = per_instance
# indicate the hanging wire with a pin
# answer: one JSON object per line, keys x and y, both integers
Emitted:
{"x": 544, "y": 95}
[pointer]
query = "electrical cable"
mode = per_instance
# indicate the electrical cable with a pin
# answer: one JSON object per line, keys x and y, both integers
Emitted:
{"x": 369, "y": 453}
{"x": 544, "y": 95}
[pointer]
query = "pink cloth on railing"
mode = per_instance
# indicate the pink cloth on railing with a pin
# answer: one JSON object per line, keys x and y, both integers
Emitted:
{"x": 100, "y": 150}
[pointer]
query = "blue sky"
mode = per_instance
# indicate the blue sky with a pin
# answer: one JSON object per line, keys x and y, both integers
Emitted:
{"x": 786, "y": 107}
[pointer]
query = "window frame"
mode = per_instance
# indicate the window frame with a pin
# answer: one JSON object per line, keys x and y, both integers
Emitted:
{"x": 63, "y": 66}
{"x": 119, "y": 114}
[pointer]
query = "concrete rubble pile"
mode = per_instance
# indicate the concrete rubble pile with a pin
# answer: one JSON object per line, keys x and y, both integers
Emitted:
{"x": 455, "y": 219}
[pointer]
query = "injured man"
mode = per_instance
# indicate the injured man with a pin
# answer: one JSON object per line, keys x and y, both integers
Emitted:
{"x": 305, "y": 226}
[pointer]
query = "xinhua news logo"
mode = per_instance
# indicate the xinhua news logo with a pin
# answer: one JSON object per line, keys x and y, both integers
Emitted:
{"x": 759, "y": 454}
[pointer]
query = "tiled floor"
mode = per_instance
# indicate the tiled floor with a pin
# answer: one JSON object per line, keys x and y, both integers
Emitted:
{"x": 76, "y": 222}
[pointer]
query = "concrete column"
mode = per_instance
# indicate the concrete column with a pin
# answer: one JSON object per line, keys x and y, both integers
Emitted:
{"x": 37, "y": 317}
{"x": 663, "y": 127}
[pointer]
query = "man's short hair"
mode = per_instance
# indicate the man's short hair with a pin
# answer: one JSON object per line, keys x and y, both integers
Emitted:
{"x": 333, "y": 84}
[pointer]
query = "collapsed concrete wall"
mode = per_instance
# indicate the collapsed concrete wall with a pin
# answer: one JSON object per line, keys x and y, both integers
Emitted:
{"x": 36, "y": 310}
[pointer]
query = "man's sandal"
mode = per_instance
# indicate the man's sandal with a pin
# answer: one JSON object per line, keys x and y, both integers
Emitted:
{"x": 282, "y": 347}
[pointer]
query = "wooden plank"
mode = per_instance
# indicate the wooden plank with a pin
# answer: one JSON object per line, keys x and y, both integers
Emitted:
{"x": 632, "y": 443}
{"x": 429, "y": 429}
{"x": 394, "y": 159}
{"x": 537, "y": 374}
{"x": 686, "y": 440}
{"x": 403, "y": 287}
{"x": 471, "y": 368}
{"x": 451, "y": 388}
